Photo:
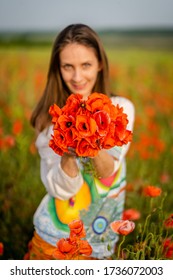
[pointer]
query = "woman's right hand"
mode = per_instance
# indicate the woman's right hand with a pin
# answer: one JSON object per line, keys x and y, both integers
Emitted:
{"x": 69, "y": 164}
{"x": 71, "y": 152}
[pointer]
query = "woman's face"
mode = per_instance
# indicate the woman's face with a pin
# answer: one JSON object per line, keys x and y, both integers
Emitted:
{"x": 79, "y": 68}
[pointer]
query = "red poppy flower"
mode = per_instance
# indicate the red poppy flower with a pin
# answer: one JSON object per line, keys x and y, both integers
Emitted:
{"x": 55, "y": 148}
{"x": 165, "y": 178}
{"x": 55, "y": 112}
{"x": 71, "y": 138}
{"x": 152, "y": 191}
{"x": 168, "y": 248}
{"x": 109, "y": 140}
{"x": 65, "y": 122}
{"x": 131, "y": 214}
{"x": 60, "y": 140}
{"x": 115, "y": 111}
{"x": 102, "y": 120}
{"x": 65, "y": 249}
{"x": 7, "y": 142}
{"x": 76, "y": 229}
{"x": 17, "y": 127}
{"x": 169, "y": 221}
{"x": 1, "y": 248}
{"x": 85, "y": 248}
{"x": 86, "y": 149}
{"x": 123, "y": 227}
{"x": 73, "y": 104}
{"x": 73, "y": 247}
{"x": 88, "y": 125}
{"x": 121, "y": 123}
{"x": 97, "y": 102}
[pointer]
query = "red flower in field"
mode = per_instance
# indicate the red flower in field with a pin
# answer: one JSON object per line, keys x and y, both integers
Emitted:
{"x": 88, "y": 125}
{"x": 85, "y": 248}
{"x": 1, "y": 248}
{"x": 152, "y": 191}
{"x": 17, "y": 127}
{"x": 39, "y": 80}
{"x": 168, "y": 248}
{"x": 150, "y": 146}
{"x": 72, "y": 247}
{"x": 123, "y": 227}
{"x": 169, "y": 222}
{"x": 32, "y": 148}
{"x": 1, "y": 131}
{"x": 165, "y": 178}
{"x": 131, "y": 214}
{"x": 65, "y": 249}
{"x": 76, "y": 229}
{"x": 7, "y": 142}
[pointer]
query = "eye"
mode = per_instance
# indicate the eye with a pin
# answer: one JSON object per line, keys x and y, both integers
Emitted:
{"x": 67, "y": 66}
{"x": 86, "y": 65}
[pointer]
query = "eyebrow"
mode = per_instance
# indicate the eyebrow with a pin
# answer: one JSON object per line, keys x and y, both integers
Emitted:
{"x": 68, "y": 63}
{"x": 64, "y": 63}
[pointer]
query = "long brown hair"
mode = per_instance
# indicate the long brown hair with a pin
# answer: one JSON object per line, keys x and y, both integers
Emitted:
{"x": 56, "y": 91}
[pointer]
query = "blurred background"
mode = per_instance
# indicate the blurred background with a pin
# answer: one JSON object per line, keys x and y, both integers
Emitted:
{"x": 119, "y": 20}
{"x": 138, "y": 38}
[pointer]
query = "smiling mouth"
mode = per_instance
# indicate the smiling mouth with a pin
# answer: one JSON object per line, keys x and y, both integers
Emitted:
{"x": 79, "y": 87}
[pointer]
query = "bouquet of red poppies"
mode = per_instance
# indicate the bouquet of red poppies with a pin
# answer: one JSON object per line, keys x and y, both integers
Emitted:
{"x": 88, "y": 126}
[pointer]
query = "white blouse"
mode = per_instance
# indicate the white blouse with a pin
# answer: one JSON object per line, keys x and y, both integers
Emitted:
{"x": 58, "y": 184}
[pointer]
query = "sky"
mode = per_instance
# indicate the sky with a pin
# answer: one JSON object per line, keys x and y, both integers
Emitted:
{"x": 45, "y": 15}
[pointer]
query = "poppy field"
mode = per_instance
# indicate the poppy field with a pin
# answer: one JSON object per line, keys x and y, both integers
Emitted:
{"x": 145, "y": 76}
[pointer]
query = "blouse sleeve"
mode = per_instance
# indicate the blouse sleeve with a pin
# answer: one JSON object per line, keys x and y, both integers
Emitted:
{"x": 57, "y": 183}
{"x": 119, "y": 152}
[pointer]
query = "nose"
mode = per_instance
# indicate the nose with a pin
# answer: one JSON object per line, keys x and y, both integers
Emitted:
{"x": 77, "y": 75}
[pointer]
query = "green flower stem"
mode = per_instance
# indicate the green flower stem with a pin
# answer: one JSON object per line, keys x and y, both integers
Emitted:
{"x": 151, "y": 203}
{"x": 119, "y": 248}
{"x": 145, "y": 225}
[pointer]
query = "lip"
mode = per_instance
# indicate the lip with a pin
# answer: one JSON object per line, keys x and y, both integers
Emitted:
{"x": 78, "y": 87}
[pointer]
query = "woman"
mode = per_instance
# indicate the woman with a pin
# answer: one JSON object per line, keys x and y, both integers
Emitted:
{"x": 78, "y": 64}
